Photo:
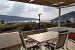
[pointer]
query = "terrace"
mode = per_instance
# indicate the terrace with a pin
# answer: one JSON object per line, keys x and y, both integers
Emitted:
{"x": 11, "y": 41}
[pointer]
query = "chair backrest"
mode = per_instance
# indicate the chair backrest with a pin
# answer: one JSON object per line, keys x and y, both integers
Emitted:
{"x": 61, "y": 39}
{"x": 22, "y": 40}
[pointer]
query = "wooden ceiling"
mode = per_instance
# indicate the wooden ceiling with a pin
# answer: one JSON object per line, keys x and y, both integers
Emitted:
{"x": 54, "y": 3}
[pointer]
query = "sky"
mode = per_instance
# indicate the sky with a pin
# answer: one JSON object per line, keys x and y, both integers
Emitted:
{"x": 30, "y": 10}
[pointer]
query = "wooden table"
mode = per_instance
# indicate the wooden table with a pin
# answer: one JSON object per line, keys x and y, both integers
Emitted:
{"x": 41, "y": 37}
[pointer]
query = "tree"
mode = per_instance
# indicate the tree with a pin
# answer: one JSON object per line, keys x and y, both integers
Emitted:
{"x": 26, "y": 27}
{"x": 2, "y": 21}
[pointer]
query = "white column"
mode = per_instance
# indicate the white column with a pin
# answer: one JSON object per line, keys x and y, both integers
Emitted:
{"x": 59, "y": 18}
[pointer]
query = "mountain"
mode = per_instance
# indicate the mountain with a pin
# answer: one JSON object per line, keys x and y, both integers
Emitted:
{"x": 66, "y": 17}
{"x": 14, "y": 18}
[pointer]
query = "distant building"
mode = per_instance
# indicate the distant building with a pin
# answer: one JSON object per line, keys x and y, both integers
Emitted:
{"x": 72, "y": 19}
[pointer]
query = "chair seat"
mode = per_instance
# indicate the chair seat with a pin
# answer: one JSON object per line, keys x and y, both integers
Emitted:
{"x": 49, "y": 44}
{"x": 32, "y": 45}
{"x": 52, "y": 45}
{"x": 25, "y": 39}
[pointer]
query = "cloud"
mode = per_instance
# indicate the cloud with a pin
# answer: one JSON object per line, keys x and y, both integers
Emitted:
{"x": 3, "y": 5}
{"x": 47, "y": 9}
{"x": 17, "y": 8}
{"x": 67, "y": 10}
{"x": 32, "y": 9}
{"x": 28, "y": 10}
{"x": 3, "y": 0}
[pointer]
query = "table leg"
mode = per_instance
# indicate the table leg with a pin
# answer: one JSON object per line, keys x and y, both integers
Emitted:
{"x": 67, "y": 43}
{"x": 40, "y": 46}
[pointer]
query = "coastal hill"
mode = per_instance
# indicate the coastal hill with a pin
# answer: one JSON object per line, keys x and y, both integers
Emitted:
{"x": 14, "y": 18}
{"x": 65, "y": 17}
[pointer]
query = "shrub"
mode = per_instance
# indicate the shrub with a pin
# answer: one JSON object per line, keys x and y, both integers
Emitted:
{"x": 55, "y": 24}
{"x": 36, "y": 26}
{"x": 26, "y": 27}
{"x": 1, "y": 27}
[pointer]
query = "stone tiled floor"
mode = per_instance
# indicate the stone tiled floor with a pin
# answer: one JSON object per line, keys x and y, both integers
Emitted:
{"x": 71, "y": 46}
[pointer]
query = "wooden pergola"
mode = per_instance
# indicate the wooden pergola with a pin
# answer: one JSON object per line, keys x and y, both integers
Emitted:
{"x": 53, "y": 3}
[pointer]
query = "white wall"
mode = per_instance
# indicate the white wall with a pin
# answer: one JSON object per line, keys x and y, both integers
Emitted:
{"x": 9, "y": 39}
{"x": 56, "y": 28}
{"x": 61, "y": 28}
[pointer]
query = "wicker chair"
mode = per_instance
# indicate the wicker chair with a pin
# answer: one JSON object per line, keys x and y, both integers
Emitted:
{"x": 28, "y": 44}
{"x": 59, "y": 43}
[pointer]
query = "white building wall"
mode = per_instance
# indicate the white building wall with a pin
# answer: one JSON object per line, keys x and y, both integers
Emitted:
{"x": 9, "y": 39}
{"x": 61, "y": 28}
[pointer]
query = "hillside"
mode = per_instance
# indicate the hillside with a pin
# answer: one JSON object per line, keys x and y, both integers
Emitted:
{"x": 14, "y": 18}
{"x": 66, "y": 17}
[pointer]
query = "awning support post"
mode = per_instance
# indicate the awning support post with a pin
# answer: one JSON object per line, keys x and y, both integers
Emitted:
{"x": 59, "y": 19}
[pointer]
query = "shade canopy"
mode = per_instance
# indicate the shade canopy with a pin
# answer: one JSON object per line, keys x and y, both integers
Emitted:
{"x": 53, "y": 3}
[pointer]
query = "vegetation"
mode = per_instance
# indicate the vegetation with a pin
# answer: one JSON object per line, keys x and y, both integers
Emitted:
{"x": 32, "y": 26}
{"x": 1, "y": 27}
{"x": 69, "y": 24}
